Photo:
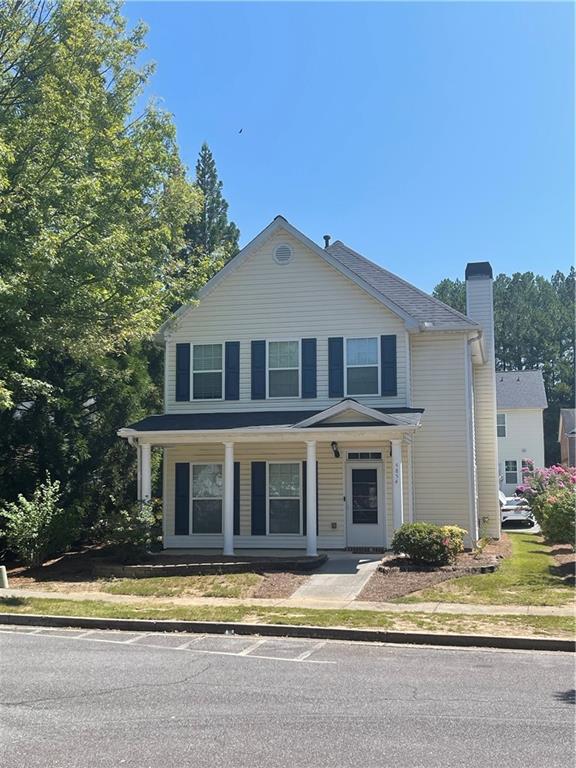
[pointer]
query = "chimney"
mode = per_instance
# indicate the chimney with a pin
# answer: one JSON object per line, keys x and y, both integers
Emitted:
{"x": 480, "y": 302}
{"x": 326, "y": 241}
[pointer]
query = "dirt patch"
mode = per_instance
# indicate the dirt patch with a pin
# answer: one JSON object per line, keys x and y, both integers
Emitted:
{"x": 279, "y": 584}
{"x": 565, "y": 562}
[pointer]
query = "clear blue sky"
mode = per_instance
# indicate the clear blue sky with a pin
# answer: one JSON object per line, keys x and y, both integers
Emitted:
{"x": 422, "y": 135}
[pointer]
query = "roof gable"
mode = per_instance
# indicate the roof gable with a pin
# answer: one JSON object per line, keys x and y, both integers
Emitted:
{"x": 520, "y": 389}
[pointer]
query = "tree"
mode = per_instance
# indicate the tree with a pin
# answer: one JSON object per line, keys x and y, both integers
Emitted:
{"x": 533, "y": 328}
{"x": 208, "y": 233}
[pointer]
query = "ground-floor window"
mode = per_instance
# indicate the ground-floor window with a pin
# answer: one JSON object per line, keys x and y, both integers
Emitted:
{"x": 511, "y": 471}
{"x": 284, "y": 498}
{"x": 206, "y": 498}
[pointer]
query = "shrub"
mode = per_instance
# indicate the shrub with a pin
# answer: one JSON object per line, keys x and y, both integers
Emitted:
{"x": 39, "y": 528}
{"x": 130, "y": 532}
{"x": 429, "y": 544}
{"x": 550, "y": 493}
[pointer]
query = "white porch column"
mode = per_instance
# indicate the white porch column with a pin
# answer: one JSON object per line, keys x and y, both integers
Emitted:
{"x": 138, "y": 471}
{"x": 146, "y": 472}
{"x": 228, "y": 516}
{"x": 311, "y": 539}
{"x": 397, "y": 494}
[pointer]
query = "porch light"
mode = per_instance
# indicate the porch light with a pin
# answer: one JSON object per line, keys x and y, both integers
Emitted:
{"x": 335, "y": 451}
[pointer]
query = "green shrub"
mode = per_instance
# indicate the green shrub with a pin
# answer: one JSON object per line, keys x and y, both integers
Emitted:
{"x": 131, "y": 532}
{"x": 556, "y": 516}
{"x": 39, "y": 528}
{"x": 429, "y": 544}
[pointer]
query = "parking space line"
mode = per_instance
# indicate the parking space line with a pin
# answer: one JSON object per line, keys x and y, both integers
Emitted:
{"x": 252, "y": 647}
{"x": 305, "y": 654}
{"x": 138, "y": 637}
{"x": 188, "y": 643}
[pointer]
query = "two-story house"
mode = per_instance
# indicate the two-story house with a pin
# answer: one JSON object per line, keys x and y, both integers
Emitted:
{"x": 314, "y": 399}
{"x": 520, "y": 402}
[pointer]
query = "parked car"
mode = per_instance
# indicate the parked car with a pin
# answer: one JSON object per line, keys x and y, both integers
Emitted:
{"x": 515, "y": 509}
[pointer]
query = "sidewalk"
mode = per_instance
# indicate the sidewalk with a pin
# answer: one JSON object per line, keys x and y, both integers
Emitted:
{"x": 304, "y": 602}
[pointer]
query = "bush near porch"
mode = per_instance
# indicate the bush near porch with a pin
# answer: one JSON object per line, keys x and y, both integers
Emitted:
{"x": 429, "y": 544}
{"x": 551, "y": 494}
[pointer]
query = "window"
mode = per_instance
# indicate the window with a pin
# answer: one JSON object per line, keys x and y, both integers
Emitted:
{"x": 206, "y": 498}
{"x": 364, "y": 455}
{"x": 207, "y": 372}
{"x": 362, "y": 366}
{"x": 511, "y": 471}
{"x": 283, "y": 369}
{"x": 284, "y": 502}
{"x": 501, "y": 424}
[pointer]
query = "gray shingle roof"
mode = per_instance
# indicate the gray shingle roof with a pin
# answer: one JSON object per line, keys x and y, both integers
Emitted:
{"x": 568, "y": 420}
{"x": 420, "y": 305}
{"x": 520, "y": 389}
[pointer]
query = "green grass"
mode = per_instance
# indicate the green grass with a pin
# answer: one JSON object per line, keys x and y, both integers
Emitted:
{"x": 228, "y": 585}
{"x": 523, "y": 579}
{"x": 559, "y": 626}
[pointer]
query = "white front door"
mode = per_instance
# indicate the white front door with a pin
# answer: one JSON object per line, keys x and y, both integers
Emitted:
{"x": 364, "y": 504}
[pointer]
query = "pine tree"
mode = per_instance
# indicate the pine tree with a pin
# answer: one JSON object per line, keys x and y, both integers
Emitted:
{"x": 209, "y": 233}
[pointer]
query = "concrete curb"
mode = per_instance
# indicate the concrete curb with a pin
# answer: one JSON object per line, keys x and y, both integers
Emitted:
{"x": 291, "y": 630}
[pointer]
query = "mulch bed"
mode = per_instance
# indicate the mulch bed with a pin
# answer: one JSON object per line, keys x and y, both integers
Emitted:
{"x": 384, "y": 586}
{"x": 279, "y": 584}
{"x": 565, "y": 559}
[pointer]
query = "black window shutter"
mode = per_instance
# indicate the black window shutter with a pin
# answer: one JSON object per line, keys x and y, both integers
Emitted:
{"x": 258, "y": 498}
{"x": 236, "y": 498}
{"x": 336, "y": 367}
{"x": 182, "y": 372}
{"x": 305, "y": 501}
{"x": 232, "y": 370}
{"x": 258, "y": 364}
{"x": 182, "y": 499}
{"x": 389, "y": 386}
{"x": 308, "y": 367}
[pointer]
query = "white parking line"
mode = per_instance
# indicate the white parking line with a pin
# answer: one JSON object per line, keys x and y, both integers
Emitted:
{"x": 250, "y": 648}
{"x": 305, "y": 654}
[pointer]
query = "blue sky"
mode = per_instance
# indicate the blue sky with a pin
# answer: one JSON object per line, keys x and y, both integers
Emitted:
{"x": 424, "y": 135}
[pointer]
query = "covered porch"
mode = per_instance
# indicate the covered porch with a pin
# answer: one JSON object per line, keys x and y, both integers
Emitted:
{"x": 335, "y": 479}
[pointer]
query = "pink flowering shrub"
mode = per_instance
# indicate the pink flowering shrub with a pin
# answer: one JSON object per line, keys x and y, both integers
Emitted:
{"x": 551, "y": 494}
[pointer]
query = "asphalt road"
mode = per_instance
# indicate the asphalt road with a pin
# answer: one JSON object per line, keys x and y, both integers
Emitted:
{"x": 84, "y": 699}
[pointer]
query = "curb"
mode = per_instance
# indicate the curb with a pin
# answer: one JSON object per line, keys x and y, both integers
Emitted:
{"x": 291, "y": 630}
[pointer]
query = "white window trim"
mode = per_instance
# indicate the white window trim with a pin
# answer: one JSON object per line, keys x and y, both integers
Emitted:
{"x": 377, "y": 365}
{"x": 204, "y": 498}
{"x": 221, "y": 371}
{"x": 301, "y": 508}
{"x": 506, "y": 472}
{"x": 268, "y": 369}
{"x": 500, "y": 425}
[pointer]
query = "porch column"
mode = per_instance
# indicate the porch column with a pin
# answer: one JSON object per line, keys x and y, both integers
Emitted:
{"x": 311, "y": 543}
{"x": 146, "y": 472}
{"x": 228, "y": 516}
{"x": 397, "y": 494}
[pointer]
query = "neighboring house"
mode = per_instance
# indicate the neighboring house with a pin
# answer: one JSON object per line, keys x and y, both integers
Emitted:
{"x": 314, "y": 399}
{"x": 520, "y": 400}
{"x": 567, "y": 437}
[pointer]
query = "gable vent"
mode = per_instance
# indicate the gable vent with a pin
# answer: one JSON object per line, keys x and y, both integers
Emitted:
{"x": 283, "y": 254}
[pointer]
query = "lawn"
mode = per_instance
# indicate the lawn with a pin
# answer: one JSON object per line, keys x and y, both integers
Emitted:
{"x": 524, "y": 578}
{"x": 228, "y": 585}
{"x": 558, "y": 626}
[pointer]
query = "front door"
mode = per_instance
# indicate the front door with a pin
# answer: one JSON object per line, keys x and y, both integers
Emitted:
{"x": 364, "y": 505}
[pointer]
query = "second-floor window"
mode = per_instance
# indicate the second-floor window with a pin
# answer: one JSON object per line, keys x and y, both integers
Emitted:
{"x": 362, "y": 366}
{"x": 283, "y": 369}
{"x": 501, "y": 424}
{"x": 207, "y": 377}
{"x": 511, "y": 471}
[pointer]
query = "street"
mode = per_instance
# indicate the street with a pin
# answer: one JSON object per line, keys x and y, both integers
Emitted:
{"x": 92, "y": 698}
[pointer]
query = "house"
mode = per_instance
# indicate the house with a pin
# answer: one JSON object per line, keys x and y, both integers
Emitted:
{"x": 520, "y": 400}
{"x": 567, "y": 436}
{"x": 314, "y": 399}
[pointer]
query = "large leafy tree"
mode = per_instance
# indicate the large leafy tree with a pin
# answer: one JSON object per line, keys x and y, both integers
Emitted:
{"x": 533, "y": 328}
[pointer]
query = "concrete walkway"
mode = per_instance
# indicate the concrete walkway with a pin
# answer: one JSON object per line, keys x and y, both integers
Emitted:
{"x": 300, "y": 602}
{"x": 341, "y": 578}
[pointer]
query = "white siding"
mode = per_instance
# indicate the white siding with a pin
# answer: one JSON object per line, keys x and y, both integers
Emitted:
{"x": 441, "y": 458}
{"x": 262, "y": 300}
{"x": 524, "y": 440}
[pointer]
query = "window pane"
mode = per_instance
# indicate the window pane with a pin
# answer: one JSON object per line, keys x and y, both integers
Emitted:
{"x": 501, "y": 424}
{"x": 283, "y": 384}
{"x": 284, "y": 516}
{"x": 283, "y": 354}
{"x": 284, "y": 480}
{"x": 207, "y": 386}
{"x": 362, "y": 381}
{"x": 362, "y": 351}
{"x": 364, "y": 496}
{"x": 206, "y": 481}
{"x": 511, "y": 471}
{"x": 207, "y": 357}
{"x": 207, "y": 516}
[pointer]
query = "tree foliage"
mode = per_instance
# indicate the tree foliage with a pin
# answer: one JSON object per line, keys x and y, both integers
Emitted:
{"x": 533, "y": 328}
